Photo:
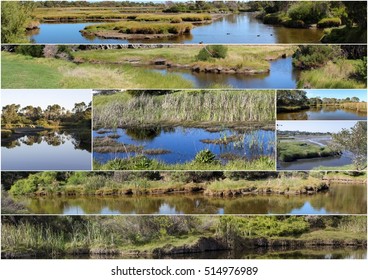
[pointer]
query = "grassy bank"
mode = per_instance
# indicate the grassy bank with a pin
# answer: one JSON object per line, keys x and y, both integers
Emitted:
{"x": 179, "y": 107}
{"x": 143, "y": 163}
{"x": 81, "y": 183}
{"x": 20, "y": 71}
{"x": 24, "y": 237}
{"x": 332, "y": 75}
{"x": 294, "y": 150}
{"x": 253, "y": 57}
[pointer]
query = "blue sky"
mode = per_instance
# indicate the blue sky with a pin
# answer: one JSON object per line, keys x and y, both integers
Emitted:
{"x": 315, "y": 126}
{"x": 45, "y": 97}
{"x": 338, "y": 93}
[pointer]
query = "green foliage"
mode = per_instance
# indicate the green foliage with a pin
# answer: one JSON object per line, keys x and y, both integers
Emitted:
{"x": 212, "y": 51}
{"x": 291, "y": 97}
{"x": 361, "y": 69}
{"x": 329, "y": 22}
{"x": 312, "y": 56}
{"x": 293, "y": 150}
{"x": 355, "y": 141}
{"x": 232, "y": 227}
{"x": 309, "y": 12}
{"x": 15, "y": 16}
{"x": 205, "y": 156}
{"x": 77, "y": 178}
{"x": 31, "y": 50}
{"x": 35, "y": 182}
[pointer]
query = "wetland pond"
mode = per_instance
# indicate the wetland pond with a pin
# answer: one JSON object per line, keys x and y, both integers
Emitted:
{"x": 182, "y": 144}
{"x": 323, "y": 113}
{"x": 242, "y": 28}
{"x": 282, "y": 75}
{"x": 340, "y": 199}
{"x": 67, "y": 149}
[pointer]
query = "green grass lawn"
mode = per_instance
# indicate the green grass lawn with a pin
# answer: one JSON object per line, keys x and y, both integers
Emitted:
{"x": 20, "y": 71}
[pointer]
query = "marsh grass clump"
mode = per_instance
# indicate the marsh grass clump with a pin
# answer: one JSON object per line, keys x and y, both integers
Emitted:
{"x": 291, "y": 151}
{"x": 142, "y": 27}
{"x": 205, "y": 156}
{"x": 212, "y": 52}
{"x": 223, "y": 106}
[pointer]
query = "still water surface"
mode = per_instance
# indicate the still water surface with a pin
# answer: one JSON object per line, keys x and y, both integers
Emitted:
{"x": 240, "y": 28}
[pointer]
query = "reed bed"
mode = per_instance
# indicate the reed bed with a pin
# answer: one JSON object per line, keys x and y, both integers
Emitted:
{"x": 186, "y": 106}
{"x": 138, "y": 27}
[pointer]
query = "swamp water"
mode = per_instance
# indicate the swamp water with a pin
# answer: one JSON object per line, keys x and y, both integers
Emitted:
{"x": 184, "y": 143}
{"x": 282, "y": 75}
{"x": 341, "y": 199}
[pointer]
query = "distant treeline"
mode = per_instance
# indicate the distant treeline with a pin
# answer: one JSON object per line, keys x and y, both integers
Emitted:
{"x": 297, "y": 99}
{"x": 54, "y": 115}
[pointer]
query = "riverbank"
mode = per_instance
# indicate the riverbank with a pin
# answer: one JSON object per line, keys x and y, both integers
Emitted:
{"x": 217, "y": 188}
{"x": 247, "y": 60}
{"x": 20, "y": 240}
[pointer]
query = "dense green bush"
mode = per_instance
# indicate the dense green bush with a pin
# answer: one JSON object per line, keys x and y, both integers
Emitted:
{"x": 329, "y": 22}
{"x": 212, "y": 51}
{"x": 361, "y": 69}
{"x": 35, "y": 182}
{"x": 32, "y": 50}
{"x": 313, "y": 56}
{"x": 309, "y": 12}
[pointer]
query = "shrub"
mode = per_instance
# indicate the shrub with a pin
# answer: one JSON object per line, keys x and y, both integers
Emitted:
{"x": 309, "y": 56}
{"x": 361, "y": 69}
{"x": 329, "y": 22}
{"x": 32, "y": 50}
{"x": 34, "y": 182}
{"x": 212, "y": 51}
{"x": 309, "y": 12}
{"x": 205, "y": 156}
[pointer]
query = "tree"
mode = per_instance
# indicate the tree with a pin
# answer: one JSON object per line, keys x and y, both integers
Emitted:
{"x": 10, "y": 114}
{"x": 354, "y": 141}
{"x": 354, "y": 99}
{"x": 291, "y": 97}
{"x": 15, "y": 16}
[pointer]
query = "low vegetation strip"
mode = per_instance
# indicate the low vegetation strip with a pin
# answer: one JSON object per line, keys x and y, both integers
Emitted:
{"x": 222, "y": 184}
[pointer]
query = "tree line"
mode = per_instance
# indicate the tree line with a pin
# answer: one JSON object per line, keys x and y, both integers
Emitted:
{"x": 53, "y": 115}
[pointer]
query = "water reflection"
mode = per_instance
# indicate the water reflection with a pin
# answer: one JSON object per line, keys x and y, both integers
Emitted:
{"x": 281, "y": 75}
{"x": 324, "y": 113}
{"x": 183, "y": 144}
{"x": 241, "y": 28}
{"x": 341, "y": 199}
{"x": 66, "y": 149}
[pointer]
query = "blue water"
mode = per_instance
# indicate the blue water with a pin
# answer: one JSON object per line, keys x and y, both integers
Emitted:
{"x": 240, "y": 28}
{"x": 281, "y": 76}
{"x": 45, "y": 155}
{"x": 184, "y": 144}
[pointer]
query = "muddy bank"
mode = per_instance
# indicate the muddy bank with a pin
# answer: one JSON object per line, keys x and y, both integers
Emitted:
{"x": 343, "y": 180}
